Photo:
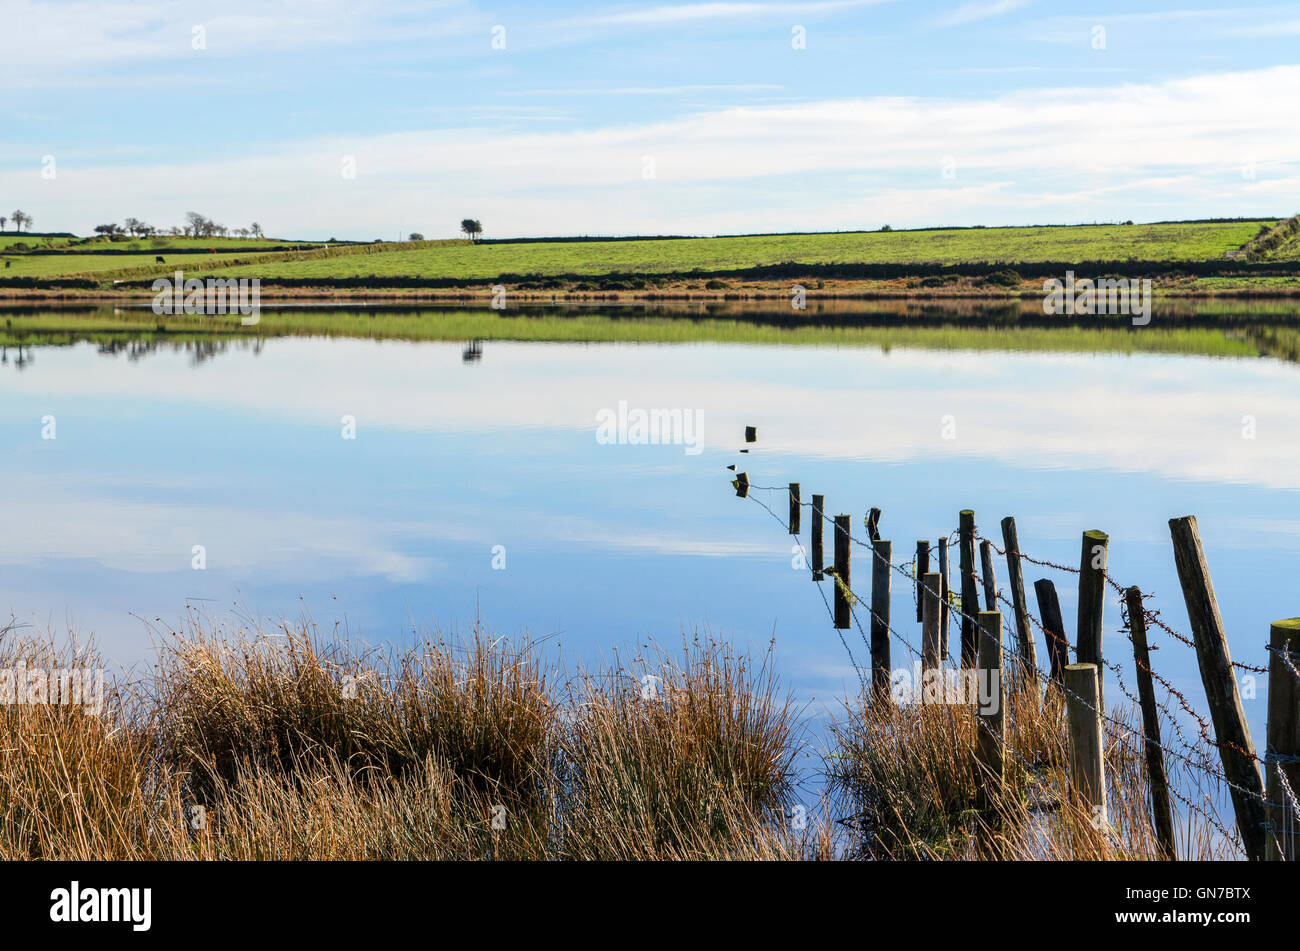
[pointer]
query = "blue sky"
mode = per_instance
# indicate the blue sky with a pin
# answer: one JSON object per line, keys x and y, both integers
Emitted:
{"x": 644, "y": 117}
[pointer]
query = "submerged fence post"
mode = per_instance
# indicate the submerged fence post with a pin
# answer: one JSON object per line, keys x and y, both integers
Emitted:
{"x": 1087, "y": 765}
{"x": 922, "y": 569}
{"x": 1283, "y": 755}
{"x": 1049, "y": 609}
{"x": 989, "y": 577}
{"x": 969, "y": 594}
{"x": 1161, "y": 809}
{"x": 843, "y": 581}
{"x": 1092, "y": 601}
{"x": 796, "y": 510}
{"x": 1231, "y": 733}
{"x": 881, "y": 564}
{"x": 818, "y": 507}
{"x": 1016, "y": 579}
{"x": 992, "y": 728}
{"x": 943, "y": 594}
{"x": 931, "y": 624}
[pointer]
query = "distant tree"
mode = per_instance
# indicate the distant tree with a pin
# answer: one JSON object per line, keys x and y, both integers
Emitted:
{"x": 256, "y": 230}
{"x": 19, "y": 218}
{"x": 886, "y": 228}
{"x": 3, "y": 222}
{"x": 415, "y": 236}
{"x": 472, "y": 228}
{"x": 107, "y": 230}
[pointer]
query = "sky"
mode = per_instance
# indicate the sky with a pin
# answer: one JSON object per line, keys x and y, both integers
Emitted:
{"x": 361, "y": 120}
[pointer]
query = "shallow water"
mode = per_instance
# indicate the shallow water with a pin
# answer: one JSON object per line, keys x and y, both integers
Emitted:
{"x": 241, "y": 448}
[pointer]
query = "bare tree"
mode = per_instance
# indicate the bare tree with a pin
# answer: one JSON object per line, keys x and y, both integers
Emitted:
{"x": 19, "y": 219}
{"x": 3, "y": 222}
{"x": 256, "y": 230}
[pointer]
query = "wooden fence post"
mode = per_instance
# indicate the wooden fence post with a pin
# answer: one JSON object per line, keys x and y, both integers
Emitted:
{"x": 741, "y": 483}
{"x": 843, "y": 579}
{"x": 818, "y": 520}
{"x": 1016, "y": 579}
{"x": 922, "y": 569}
{"x": 992, "y": 729}
{"x": 1049, "y": 609}
{"x": 1161, "y": 810}
{"x": 751, "y": 433}
{"x": 944, "y": 615}
{"x": 881, "y": 565}
{"x": 1087, "y": 765}
{"x": 1283, "y": 735}
{"x": 989, "y": 576}
{"x": 1092, "y": 601}
{"x": 1231, "y": 733}
{"x": 931, "y": 625}
{"x": 796, "y": 510}
{"x": 969, "y": 592}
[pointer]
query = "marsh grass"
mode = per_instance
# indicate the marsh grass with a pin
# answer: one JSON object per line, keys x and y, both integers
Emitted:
{"x": 291, "y": 744}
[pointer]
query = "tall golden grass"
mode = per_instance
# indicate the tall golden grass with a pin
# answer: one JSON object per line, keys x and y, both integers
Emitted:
{"x": 295, "y": 745}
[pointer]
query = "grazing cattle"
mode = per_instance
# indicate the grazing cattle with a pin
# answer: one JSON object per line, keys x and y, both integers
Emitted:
{"x": 159, "y": 259}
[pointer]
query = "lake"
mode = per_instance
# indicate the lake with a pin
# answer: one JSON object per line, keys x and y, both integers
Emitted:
{"x": 396, "y": 487}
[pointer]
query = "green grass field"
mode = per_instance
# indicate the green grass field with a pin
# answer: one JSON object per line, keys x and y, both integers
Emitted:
{"x": 456, "y": 259}
{"x": 1003, "y": 245}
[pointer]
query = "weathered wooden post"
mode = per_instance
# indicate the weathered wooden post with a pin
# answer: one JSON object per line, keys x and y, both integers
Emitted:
{"x": 931, "y": 626}
{"x": 818, "y": 507}
{"x": 796, "y": 510}
{"x": 992, "y": 729}
{"x": 1049, "y": 609}
{"x": 989, "y": 577}
{"x": 881, "y": 563}
{"x": 1283, "y": 755}
{"x": 943, "y": 594}
{"x": 1087, "y": 765}
{"x": 1231, "y": 733}
{"x": 741, "y": 482}
{"x": 969, "y": 592}
{"x": 1092, "y": 601}
{"x": 873, "y": 525}
{"x": 1161, "y": 809}
{"x": 922, "y": 569}
{"x": 843, "y": 579}
{"x": 1016, "y": 579}
{"x": 751, "y": 434}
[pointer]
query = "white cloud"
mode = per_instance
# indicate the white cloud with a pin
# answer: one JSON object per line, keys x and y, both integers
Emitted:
{"x": 979, "y": 10}
{"x": 685, "y": 13}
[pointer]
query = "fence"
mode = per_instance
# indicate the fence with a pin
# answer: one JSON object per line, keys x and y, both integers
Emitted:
{"x": 1266, "y": 824}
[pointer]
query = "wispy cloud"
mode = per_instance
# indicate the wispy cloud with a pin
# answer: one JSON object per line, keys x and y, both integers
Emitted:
{"x": 979, "y": 10}
{"x": 684, "y": 13}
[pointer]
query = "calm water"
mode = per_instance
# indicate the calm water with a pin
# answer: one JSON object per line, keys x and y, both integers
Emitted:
{"x": 242, "y": 451}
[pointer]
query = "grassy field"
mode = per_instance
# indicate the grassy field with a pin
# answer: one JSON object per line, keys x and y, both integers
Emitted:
{"x": 1002, "y": 245}
{"x": 457, "y": 260}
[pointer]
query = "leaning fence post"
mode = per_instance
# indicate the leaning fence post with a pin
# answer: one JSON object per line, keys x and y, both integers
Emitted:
{"x": 969, "y": 593}
{"x": 818, "y": 507}
{"x": 1092, "y": 601}
{"x": 922, "y": 569}
{"x": 944, "y": 616}
{"x": 741, "y": 482}
{"x": 989, "y": 577}
{"x": 1016, "y": 579}
{"x": 1283, "y": 755}
{"x": 881, "y": 564}
{"x": 1087, "y": 765}
{"x": 843, "y": 581}
{"x": 992, "y": 730}
{"x": 931, "y": 625}
{"x": 1049, "y": 609}
{"x": 796, "y": 510}
{"x": 1161, "y": 810}
{"x": 1231, "y": 733}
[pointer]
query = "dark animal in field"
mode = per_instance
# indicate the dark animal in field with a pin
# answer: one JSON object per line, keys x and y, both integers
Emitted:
{"x": 9, "y": 264}
{"x": 159, "y": 259}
